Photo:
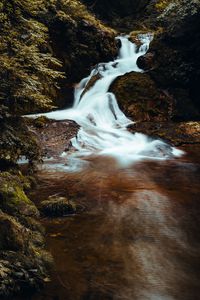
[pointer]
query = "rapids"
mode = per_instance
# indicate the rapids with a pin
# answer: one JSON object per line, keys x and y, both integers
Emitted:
{"x": 103, "y": 126}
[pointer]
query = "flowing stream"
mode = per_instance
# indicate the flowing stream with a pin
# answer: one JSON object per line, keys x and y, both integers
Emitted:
{"x": 137, "y": 234}
{"x": 103, "y": 125}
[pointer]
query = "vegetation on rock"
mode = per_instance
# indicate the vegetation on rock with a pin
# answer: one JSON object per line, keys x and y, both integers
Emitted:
{"x": 23, "y": 261}
{"x": 57, "y": 207}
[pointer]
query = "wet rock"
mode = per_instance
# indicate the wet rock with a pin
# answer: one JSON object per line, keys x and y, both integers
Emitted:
{"x": 177, "y": 133}
{"x": 90, "y": 83}
{"x": 141, "y": 99}
{"x": 57, "y": 207}
{"x": 54, "y": 137}
{"x": 146, "y": 62}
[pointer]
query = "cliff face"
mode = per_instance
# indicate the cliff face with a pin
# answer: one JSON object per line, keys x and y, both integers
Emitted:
{"x": 176, "y": 57}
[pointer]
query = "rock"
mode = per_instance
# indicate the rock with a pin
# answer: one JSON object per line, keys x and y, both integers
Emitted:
{"x": 40, "y": 122}
{"x": 177, "y": 133}
{"x": 51, "y": 143}
{"x": 12, "y": 234}
{"x": 57, "y": 207}
{"x": 80, "y": 41}
{"x": 140, "y": 98}
{"x": 24, "y": 265}
{"x": 176, "y": 57}
{"x": 146, "y": 62}
{"x": 13, "y": 199}
{"x": 90, "y": 83}
{"x": 22, "y": 274}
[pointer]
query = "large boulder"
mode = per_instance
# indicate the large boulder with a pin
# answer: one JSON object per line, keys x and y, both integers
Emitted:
{"x": 140, "y": 98}
{"x": 57, "y": 207}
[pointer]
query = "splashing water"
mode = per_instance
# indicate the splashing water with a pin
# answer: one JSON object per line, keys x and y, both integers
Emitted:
{"x": 103, "y": 125}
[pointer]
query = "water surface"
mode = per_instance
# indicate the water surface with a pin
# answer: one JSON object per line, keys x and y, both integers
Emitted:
{"x": 137, "y": 236}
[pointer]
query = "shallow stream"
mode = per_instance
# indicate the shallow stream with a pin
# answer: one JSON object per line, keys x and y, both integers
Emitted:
{"x": 137, "y": 236}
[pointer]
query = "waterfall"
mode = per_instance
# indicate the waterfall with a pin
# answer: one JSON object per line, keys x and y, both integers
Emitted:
{"x": 103, "y": 126}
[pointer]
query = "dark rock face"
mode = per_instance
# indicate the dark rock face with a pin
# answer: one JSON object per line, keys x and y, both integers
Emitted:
{"x": 81, "y": 45}
{"x": 176, "y": 53}
{"x": 121, "y": 8}
{"x": 146, "y": 62}
{"x": 172, "y": 63}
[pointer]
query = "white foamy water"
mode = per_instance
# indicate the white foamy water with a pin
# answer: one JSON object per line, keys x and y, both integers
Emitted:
{"x": 103, "y": 125}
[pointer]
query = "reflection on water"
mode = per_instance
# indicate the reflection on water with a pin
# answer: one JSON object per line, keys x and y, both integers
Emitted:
{"x": 138, "y": 237}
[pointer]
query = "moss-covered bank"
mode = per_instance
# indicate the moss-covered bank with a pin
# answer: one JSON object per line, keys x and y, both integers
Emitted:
{"x": 24, "y": 263}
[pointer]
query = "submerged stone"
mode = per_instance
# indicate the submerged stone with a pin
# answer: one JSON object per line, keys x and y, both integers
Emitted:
{"x": 57, "y": 207}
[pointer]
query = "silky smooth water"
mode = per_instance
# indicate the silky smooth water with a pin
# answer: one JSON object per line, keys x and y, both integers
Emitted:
{"x": 103, "y": 130}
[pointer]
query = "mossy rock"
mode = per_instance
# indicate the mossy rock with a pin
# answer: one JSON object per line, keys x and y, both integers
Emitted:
{"x": 57, "y": 207}
{"x": 13, "y": 198}
{"x": 23, "y": 274}
{"x": 11, "y": 237}
{"x": 24, "y": 264}
{"x": 40, "y": 122}
{"x": 140, "y": 98}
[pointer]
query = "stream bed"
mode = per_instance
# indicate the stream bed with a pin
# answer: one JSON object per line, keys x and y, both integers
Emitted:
{"x": 137, "y": 236}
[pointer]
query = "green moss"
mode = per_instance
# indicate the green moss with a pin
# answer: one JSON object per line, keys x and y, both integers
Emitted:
{"x": 12, "y": 196}
{"x": 57, "y": 207}
{"x": 40, "y": 122}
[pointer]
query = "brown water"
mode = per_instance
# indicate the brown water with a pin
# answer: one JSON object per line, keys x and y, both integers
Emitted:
{"x": 137, "y": 237}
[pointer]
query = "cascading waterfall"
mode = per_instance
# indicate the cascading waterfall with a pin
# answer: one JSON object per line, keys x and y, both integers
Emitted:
{"x": 103, "y": 125}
